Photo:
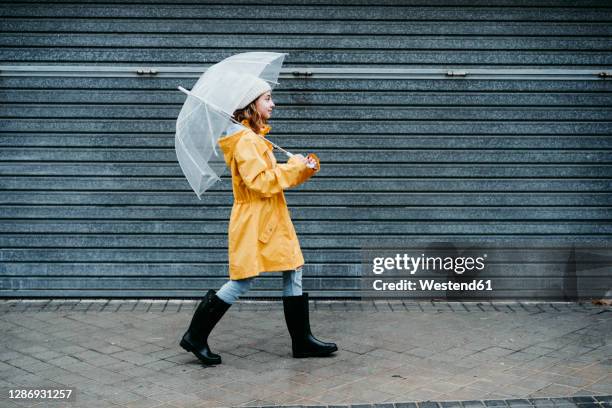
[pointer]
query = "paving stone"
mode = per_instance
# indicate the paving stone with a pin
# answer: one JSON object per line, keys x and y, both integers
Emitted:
{"x": 405, "y": 405}
{"x": 450, "y": 404}
{"x": 563, "y": 402}
{"x": 428, "y": 404}
{"x": 518, "y": 403}
{"x": 473, "y": 404}
{"x": 542, "y": 403}
{"x": 496, "y": 403}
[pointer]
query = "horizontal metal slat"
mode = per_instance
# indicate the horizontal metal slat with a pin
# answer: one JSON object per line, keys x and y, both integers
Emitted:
{"x": 427, "y": 171}
{"x": 195, "y": 262}
{"x": 319, "y": 12}
{"x": 157, "y": 219}
{"x": 204, "y": 26}
{"x": 311, "y": 41}
{"x": 512, "y": 3}
{"x": 317, "y": 184}
{"x": 459, "y": 225}
{"x": 311, "y": 142}
{"x": 285, "y": 99}
{"x": 156, "y": 126}
{"x": 379, "y": 80}
{"x": 328, "y": 113}
{"x": 313, "y": 198}
{"x": 312, "y": 235}
{"x": 331, "y": 58}
{"x": 373, "y": 155}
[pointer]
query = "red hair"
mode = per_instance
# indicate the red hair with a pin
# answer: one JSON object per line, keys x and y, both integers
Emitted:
{"x": 250, "y": 113}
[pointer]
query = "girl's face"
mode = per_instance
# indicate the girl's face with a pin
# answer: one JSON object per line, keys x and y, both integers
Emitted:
{"x": 264, "y": 105}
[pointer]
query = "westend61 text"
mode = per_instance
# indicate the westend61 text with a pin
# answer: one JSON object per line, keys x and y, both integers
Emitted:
{"x": 430, "y": 284}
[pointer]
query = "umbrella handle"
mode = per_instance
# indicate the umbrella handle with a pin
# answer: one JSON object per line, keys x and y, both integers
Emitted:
{"x": 287, "y": 153}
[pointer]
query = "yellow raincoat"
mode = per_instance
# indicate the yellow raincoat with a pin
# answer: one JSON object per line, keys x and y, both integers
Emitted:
{"x": 261, "y": 234}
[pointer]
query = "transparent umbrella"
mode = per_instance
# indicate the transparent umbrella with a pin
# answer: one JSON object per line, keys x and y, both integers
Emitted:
{"x": 208, "y": 110}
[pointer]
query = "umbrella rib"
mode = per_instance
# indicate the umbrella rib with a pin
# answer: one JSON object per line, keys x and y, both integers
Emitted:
{"x": 216, "y": 177}
{"x": 205, "y": 102}
{"x": 190, "y": 156}
{"x": 212, "y": 139}
{"x": 186, "y": 117}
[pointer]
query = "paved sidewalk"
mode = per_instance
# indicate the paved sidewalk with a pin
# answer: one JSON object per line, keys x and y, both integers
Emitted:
{"x": 126, "y": 353}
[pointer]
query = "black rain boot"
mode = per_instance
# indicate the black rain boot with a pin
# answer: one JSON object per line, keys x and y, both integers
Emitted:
{"x": 303, "y": 343}
{"x": 208, "y": 313}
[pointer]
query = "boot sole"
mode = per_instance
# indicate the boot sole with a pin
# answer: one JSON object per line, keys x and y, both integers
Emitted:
{"x": 187, "y": 346}
{"x": 314, "y": 353}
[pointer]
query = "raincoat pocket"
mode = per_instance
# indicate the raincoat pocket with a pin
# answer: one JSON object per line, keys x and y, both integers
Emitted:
{"x": 268, "y": 229}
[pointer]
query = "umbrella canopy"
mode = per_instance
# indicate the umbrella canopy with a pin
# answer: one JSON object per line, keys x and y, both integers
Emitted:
{"x": 208, "y": 110}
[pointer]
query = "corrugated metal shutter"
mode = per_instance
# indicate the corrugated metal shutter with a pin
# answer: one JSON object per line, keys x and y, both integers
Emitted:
{"x": 517, "y": 153}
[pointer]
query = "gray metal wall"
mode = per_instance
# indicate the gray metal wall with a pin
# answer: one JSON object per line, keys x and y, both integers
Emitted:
{"x": 514, "y": 156}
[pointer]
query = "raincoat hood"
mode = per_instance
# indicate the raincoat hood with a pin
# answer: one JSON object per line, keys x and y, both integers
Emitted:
{"x": 233, "y": 133}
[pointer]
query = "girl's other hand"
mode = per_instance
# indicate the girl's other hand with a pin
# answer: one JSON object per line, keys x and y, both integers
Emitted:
{"x": 311, "y": 163}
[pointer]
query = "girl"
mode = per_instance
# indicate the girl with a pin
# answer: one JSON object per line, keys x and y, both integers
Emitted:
{"x": 261, "y": 234}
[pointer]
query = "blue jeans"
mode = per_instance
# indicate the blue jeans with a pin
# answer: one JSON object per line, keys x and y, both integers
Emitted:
{"x": 233, "y": 289}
